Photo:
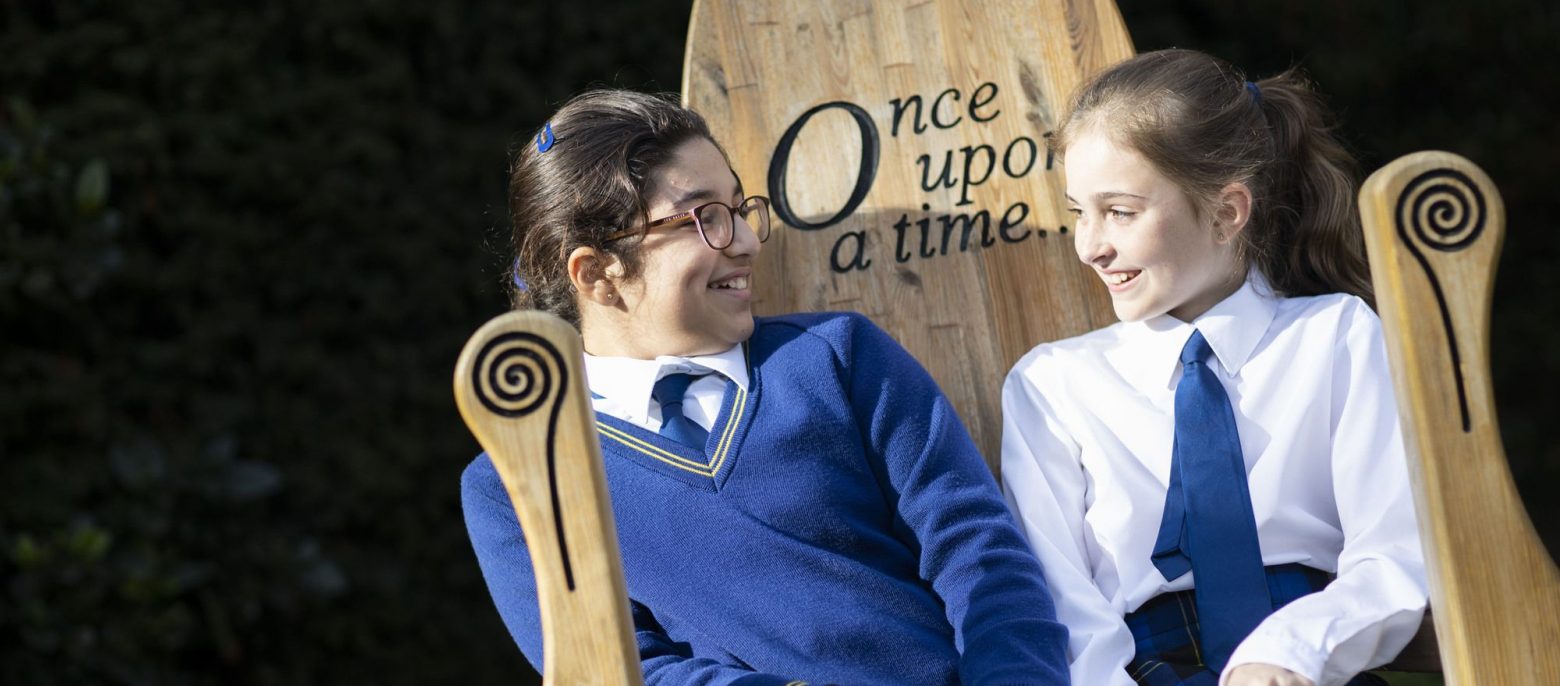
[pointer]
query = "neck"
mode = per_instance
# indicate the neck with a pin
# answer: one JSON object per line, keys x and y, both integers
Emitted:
{"x": 1200, "y": 305}
{"x": 604, "y": 340}
{"x": 612, "y": 337}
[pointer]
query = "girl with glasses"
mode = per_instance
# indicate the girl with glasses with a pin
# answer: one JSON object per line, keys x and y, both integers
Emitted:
{"x": 796, "y": 502}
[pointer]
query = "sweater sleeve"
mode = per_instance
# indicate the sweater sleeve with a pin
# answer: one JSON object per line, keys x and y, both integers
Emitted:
{"x": 669, "y": 663}
{"x": 1365, "y": 616}
{"x": 506, "y": 566}
{"x": 971, "y": 553}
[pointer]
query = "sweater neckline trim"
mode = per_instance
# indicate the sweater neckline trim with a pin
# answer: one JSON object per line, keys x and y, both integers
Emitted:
{"x": 707, "y": 468}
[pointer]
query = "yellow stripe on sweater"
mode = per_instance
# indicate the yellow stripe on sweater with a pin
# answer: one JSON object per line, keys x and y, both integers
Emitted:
{"x": 721, "y": 449}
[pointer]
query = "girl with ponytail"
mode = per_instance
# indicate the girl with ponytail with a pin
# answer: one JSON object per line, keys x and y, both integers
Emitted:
{"x": 1216, "y": 485}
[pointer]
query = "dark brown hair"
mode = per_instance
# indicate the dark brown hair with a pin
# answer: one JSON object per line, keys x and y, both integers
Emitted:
{"x": 591, "y": 182}
{"x": 1198, "y": 122}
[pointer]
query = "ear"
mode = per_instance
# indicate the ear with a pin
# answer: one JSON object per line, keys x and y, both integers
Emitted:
{"x": 591, "y": 272}
{"x": 1232, "y": 212}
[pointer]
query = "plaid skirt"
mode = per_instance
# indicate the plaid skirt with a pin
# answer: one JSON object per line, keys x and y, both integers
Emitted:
{"x": 1169, "y": 643}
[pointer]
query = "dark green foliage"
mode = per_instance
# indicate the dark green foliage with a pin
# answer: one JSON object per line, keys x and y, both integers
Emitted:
{"x": 242, "y": 243}
{"x": 240, "y": 246}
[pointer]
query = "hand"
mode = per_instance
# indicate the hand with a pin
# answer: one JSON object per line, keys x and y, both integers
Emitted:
{"x": 1259, "y": 674}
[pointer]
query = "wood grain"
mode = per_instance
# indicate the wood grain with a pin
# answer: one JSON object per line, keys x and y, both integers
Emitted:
{"x": 1434, "y": 224}
{"x": 521, "y": 389}
{"x": 966, "y": 311}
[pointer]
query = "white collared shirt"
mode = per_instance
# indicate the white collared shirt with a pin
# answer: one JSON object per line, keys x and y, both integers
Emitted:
{"x": 1088, "y": 425}
{"x": 620, "y": 386}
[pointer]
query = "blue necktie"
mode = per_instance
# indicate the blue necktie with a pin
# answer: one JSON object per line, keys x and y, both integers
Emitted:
{"x": 669, "y": 392}
{"x": 1208, "y": 526}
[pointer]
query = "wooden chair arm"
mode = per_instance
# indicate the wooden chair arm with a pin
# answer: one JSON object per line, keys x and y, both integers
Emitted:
{"x": 521, "y": 389}
{"x": 1433, "y": 225}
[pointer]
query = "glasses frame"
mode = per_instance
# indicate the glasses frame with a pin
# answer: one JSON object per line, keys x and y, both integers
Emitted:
{"x": 692, "y": 215}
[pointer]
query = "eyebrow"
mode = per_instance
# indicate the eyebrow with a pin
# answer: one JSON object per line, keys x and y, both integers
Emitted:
{"x": 706, "y": 194}
{"x": 1109, "y": 195}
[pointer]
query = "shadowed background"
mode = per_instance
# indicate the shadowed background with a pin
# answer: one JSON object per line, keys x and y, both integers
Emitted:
{"x": 241, "y": 245}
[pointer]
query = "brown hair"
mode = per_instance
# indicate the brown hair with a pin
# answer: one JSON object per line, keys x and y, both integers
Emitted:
{"x": 591, "y": 182}
{"x": 1197, "y": 121}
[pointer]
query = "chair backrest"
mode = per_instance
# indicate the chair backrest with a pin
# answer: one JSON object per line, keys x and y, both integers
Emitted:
{"x": 903, "y": 142}
{"x": 1434, "y": 224}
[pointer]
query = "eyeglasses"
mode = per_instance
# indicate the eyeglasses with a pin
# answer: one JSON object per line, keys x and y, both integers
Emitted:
{"x": 716, "y": 221}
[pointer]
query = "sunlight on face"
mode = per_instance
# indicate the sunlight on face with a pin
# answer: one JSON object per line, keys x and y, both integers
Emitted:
{"x": 1142, "y": 235}
{"x": 690, "y": 299}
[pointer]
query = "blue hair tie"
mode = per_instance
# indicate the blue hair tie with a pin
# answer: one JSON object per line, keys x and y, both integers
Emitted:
{"x": 520, "y": 284}
{"x": 545, "y": 139}
{"x": 1256, "y": 93}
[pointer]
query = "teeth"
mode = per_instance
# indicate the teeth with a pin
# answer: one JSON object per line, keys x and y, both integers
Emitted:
{"x": 1119, "y": 278}
{"x": 735, "y": 283}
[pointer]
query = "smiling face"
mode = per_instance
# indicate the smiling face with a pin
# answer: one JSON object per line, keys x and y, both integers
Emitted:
{"x": 689, "y": 299}
{"x": 1141, "y": 233}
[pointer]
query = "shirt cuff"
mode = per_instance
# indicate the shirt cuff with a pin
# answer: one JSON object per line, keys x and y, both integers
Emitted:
{"x": 1281, "y": 651}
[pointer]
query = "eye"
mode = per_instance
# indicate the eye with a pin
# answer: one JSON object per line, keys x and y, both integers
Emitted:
{"x": 1121, "y": 215}
{"x": 1075, "y": 211}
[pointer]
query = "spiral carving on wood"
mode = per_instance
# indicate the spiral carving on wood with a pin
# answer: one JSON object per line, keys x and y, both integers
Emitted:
{"x": 1443, "y": 210}
{"x": 514, "y": 375}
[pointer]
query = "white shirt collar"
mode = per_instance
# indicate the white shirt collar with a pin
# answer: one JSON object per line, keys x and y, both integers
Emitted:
{"x": 627, "y": 382}
{"x": 1150, "y": 350}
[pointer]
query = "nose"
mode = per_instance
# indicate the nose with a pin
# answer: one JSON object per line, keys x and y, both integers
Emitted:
{"x": 1093, "y": 247}
{"x": 744, "y": 240}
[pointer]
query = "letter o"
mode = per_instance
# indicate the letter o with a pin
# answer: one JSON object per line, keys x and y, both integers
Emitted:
{"x": 1007, "y": 156}
{"x": 864, "y": 177}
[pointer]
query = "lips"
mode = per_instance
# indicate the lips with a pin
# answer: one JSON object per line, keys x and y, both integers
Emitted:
{"x": 1118, "y": 281}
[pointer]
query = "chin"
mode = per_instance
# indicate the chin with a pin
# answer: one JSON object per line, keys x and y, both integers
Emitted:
{"x": 742, "y": 330}
{"x": 1140, "y": 305}
{"x": 722, "y": 336}
{"x": 1129, "y": 312}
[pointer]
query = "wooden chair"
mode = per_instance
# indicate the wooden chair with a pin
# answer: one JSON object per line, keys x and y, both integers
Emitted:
{"x": 903, "y": 143}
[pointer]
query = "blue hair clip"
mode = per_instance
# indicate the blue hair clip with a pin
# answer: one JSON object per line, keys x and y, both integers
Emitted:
{"x": 545, "y": 139}
{"x": 515, "y": 272}
{"x": 1256, "y": 93}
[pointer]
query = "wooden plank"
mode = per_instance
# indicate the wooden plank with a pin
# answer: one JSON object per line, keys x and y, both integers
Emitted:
{"x": 1434, "y": 225}
{"x": 521, "y": 389}
{"x": 950, "y": 103}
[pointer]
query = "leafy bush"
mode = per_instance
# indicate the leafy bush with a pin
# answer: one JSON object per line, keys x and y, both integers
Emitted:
{"x": 240, "y": 246}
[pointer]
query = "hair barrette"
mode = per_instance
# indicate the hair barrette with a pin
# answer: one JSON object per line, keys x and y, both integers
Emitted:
{"x": 545, "y": 139}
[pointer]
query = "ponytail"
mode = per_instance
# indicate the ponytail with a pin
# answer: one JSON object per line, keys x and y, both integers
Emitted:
{"x": 1307, "y": 238}
{"x": 1198, "y": 121}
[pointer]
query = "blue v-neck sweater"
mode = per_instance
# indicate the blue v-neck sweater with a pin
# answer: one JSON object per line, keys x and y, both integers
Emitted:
{"x": 839, "y": 527}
